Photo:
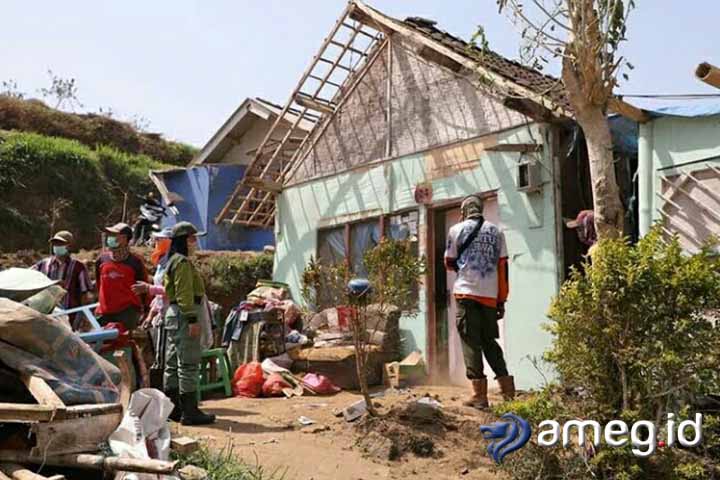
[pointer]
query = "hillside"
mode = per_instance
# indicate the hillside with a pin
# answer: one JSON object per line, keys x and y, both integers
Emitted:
{"x": 50, "y": 183}
{"x": 89, "y": 129}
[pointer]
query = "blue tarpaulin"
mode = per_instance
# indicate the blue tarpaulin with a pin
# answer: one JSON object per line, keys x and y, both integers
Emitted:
{"x": 199, "y": 194}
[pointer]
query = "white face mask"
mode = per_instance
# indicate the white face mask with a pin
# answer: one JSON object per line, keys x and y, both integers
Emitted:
{"x": 60, "y": 250}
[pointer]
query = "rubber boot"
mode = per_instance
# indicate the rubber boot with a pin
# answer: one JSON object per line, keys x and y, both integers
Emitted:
{"x": 479, "y": 399}
{"x": 174, "y": 396}
{"x": 507, "y": 387}
{"x": 192, "y": 415}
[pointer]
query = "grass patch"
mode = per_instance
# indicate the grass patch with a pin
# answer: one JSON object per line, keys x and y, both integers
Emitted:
{"x": 224, "y": 465}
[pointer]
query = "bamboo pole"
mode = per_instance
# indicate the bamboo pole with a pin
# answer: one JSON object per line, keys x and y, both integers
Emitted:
{"x": 708, "y": 73}
{"x": 93, "y": 462}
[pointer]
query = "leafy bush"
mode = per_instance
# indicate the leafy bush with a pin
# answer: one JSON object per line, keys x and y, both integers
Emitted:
{"x": 634, "y": 340}
{"x": 633, "y": 331}
{"x": 49, "y": 183}
{"x": 127, "y": 173}
{"x": 89, "y": 129}
{"x": 237, "y": 275}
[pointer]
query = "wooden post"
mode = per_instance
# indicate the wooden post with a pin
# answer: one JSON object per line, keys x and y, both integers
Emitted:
{"x": 126, "y": 386}
{"x": 92, "y": 462}
{"x": 388, "y": 144}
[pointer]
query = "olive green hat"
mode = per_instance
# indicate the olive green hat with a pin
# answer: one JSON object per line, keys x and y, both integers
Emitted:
{"x": 185, "y": 229}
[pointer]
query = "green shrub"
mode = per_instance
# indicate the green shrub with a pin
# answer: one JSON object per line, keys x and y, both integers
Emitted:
{"x": 127, "y": 173}
{"x": 236, "y": 275}
{"x": 51, "y": 183}
{"x": 89, "y": 129}
{"x": 633, "y": 332}
{"x": 634, "y": 339}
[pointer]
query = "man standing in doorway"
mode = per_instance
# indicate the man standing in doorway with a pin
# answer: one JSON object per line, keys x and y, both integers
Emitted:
{"x": 476, "y": 251}
{"x": 71, "y": 273}
{"x": 115, "y": 274}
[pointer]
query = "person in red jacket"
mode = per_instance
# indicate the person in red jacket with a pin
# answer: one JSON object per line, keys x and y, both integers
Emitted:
{"x": 116, "y": 272}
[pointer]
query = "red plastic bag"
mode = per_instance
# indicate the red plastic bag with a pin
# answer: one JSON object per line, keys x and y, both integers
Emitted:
{"x": 273, "y": 386}
{"x": 248, "y": 380}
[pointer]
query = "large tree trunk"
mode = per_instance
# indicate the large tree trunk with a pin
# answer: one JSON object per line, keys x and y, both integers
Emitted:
{"x": 589, "y": 100}
{"x": 609, "y": 211}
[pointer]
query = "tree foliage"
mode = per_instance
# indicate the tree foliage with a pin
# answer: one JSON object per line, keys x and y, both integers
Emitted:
{"x": 636, "y": 337}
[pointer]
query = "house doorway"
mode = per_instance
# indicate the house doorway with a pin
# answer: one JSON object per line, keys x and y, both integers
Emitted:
{"x": 449, "y": 364}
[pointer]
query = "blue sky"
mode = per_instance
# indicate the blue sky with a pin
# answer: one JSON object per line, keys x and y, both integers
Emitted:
{"x": 185, "y": 65}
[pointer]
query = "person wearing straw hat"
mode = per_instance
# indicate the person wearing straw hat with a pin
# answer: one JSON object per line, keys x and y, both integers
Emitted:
{"x": 70, "y": 272}
{"x": 184, "y": 289}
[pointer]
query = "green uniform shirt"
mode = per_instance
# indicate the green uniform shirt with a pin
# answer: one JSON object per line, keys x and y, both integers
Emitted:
{"x": 183, "y": 286}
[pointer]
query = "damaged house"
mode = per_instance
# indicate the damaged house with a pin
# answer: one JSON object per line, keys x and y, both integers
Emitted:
{"x": 410, "y": 120}
{"x": 200, "y": 190}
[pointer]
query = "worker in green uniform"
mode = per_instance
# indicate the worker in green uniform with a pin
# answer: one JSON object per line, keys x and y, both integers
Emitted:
{"x": 184, "y": 288}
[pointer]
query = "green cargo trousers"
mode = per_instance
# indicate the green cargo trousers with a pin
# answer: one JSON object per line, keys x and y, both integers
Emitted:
{"x": 478, "y": 329}
{"x": 182, "y": 354}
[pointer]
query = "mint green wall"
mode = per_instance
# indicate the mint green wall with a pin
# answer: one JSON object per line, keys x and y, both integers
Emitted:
{"x": 528, "y": 220}
{"x": 677, "y": 142}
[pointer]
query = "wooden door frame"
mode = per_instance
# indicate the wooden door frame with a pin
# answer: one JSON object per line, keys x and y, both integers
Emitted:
{"x": 433, "y": 210}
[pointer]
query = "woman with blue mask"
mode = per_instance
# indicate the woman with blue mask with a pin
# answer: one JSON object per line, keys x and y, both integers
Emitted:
{"x": 71, "y": 273}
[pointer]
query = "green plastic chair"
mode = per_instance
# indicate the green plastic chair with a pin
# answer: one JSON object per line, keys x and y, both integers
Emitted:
{"x": 217, "y": 357}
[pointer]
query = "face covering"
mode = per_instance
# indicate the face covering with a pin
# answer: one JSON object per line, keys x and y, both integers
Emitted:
{"x": 60, "y": 250}
{"x": 112, "y": 242}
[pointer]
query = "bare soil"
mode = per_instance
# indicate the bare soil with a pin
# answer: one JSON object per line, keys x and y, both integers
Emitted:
{"x": 409, "y": 440}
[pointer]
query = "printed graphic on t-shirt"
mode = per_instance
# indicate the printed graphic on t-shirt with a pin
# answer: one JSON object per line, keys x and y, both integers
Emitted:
{"x": 483, "y": 253}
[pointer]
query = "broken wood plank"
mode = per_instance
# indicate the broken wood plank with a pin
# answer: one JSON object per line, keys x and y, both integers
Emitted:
{"x": 42, "y": 392}
{"x": 123, "y": 364}
{"x": 17, "y": 472}
{"x": 77, "y": 411}
{"x": 184, "y": 445}
{"x": 20, "y": 412}
{"x": 266, "y": 185}
{"x": 92, "y": 462}
{"x": 313, "y": 104}
{"x": 77, "y": 435}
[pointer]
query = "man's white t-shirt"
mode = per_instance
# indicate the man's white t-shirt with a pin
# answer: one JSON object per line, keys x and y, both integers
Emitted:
{"x": 477, "y": 275}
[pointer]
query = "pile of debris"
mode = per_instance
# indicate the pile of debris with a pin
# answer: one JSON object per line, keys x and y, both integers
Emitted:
{"x": 64, "y": 406}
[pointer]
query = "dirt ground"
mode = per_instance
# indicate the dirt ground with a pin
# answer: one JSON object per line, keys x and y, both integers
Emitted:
{"x": 406, "y": 442}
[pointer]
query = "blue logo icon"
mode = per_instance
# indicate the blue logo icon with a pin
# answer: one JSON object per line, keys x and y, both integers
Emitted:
{"x": 507, "y": 436}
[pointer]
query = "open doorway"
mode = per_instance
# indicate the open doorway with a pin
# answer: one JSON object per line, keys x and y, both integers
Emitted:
{"x": 447, "y": 360}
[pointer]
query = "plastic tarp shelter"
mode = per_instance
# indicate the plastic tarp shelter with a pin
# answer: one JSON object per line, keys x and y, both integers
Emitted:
{"x": 199, "y": 193}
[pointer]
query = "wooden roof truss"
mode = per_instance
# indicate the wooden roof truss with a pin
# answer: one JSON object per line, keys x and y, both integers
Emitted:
{"x": 350, "y": 47}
